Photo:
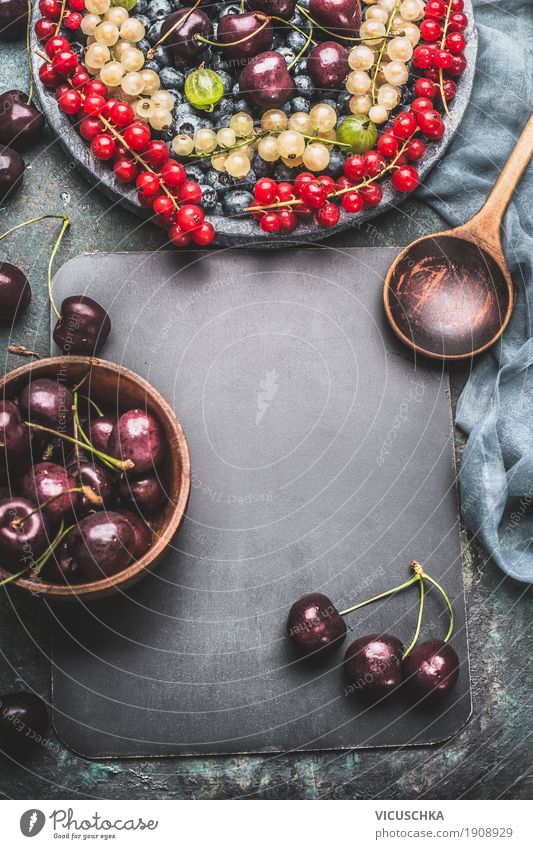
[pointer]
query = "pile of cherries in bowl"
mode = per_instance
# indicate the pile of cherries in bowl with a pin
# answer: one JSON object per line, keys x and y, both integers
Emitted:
{"x": 79, "y": 485}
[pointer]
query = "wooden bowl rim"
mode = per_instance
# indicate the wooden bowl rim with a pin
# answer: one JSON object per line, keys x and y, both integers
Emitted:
{"x": 462, "y": 234}
{"x": 148, "y": 560}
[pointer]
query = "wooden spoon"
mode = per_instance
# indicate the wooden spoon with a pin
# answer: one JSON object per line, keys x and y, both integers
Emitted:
{"x": 450, "y": 295}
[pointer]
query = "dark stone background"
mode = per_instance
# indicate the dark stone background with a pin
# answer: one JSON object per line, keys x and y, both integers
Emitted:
{"x": 489, "y": 759}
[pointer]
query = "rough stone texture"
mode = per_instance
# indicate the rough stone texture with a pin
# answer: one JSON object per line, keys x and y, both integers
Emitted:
{"x": 488, "y": 759}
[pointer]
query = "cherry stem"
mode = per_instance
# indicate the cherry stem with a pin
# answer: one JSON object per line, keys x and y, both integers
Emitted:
{"x": 152, "y": 51}
{"x": 304, "y": 48}
{"x": 377, "y": 66}
{"x": 419, "y": 618}
{"x": 40, "y": 562}
{"x": 121, "y": 465}
{"x": 94, "y": 404}
{"x": 28, "y": 54}
{"x": 306, "y": 14}
{"x": 93, "y": 497}
{"x": 85, "y": 442}
{"x": 301, "y": 31}
{"x": 22, "y": 351}
{"x": 264, "y": 18}
{"x": 398, "y": 589}
{"x": 448, "y": 605}
{"x": 442, "y": 45}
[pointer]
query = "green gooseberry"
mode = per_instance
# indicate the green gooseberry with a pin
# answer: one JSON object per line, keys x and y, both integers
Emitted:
{"x": 126, "y": 4}
{"x": 359, "y": 132}
{"x": 203, "y": 89}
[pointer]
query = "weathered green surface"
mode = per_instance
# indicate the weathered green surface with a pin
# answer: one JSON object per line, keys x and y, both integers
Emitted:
{"x": 488, "y": 759}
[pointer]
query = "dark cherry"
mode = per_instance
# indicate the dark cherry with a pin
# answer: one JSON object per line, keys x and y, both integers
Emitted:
{"x": 15, "y": 292}
{"x": 97, "y": 478}
{"x": 21, "y": 544}
{"x": 265, "y": 81}
{"x": 281, "y": 8}
{"x": 146, "y": 493}
{"x": 15, "y": 437}
{"x": 102, "y": 544}
{"x": 13, "y": 19}
{"x": 234, "y": 27}
{"x": 83, "y": 327}
{"x": 11, "y": 172}
{"x": 20, "y": 122}
{"x": 315, "y": 624}
{"x": 23, "y": 723}
{"x": 142, "y": 533}
{"x": 431, "y": 669}
{"x": 342, "y": 17}
{"x": 100, "y": 431}
{"x": 328, "y": 64}
{"x": 137, "y": 436}
{"x": 47, "y": 402}
{"x": 62, "y": 568}
{"x": 182, "y": 41}
{"x": 373, "y": 664}
{"x": 50, "y": 480}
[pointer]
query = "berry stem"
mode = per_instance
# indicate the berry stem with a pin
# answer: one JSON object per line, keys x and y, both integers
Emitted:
{"x": 28, "y": 54}
{"x": 333, "y": 142}
{"x": 152, "y": 51}
{"x": 419, "y": 618}
{"x": 442, "y": 45}
{"x": 377, "y": 66}
{"x": 304, "y": 48}
{"x": 448, "y": 604}
{"x": 398, "y": 589}
{"x": 260, "y": 17}
{"x": 306, "y": 14}
{"x": 301, "y": 31}
{"x": 121, "y": 465}
{"x": 61, "y": 16}
{"x": 40, "y": 562}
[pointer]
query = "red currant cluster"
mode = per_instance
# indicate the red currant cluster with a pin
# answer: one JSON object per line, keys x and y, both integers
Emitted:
{"x": 53, "y": 14}
{"x": 440, "y": 53}
{"x": 115, "y": 136}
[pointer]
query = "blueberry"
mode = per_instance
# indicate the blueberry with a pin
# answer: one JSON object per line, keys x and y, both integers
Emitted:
{"x": 343, "y": 101}
{"x": 144, "y": 45}
{"x": 301, "y": 66}
{"x": 304, "y": 85}
{"x": 296, "y": 41}
{"x": 236, "y": 90}
{"x": 283, "y": 174}
{"x": 158, "y": 10}
{"x": 163, "y": 57}
{"x": 299, "y": 104}
{"x": 170, "y": 78}
{"x": 235, "y": 202}
{"x": 151, "y": 65}
{"x": 261, "y": 168}
{"x": 242, "y": 105}
{"x": 209, "y": 196}
{"x": 244, "y": 182}
{"x": 218, "y": 209}
{"x": 195, "y": 172}
{"x": 330, "y": 102}
{"x": 218, "y": 180}
{"x": 288, "y": 54}
{"x": 227, "y": 80}
{"x": 144, "y": 19}
{"x": 336, "y": 161}
{"x": 154, "y": 33}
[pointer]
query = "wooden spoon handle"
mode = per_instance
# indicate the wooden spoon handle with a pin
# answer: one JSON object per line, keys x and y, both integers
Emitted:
{"x": 488, "y": 220}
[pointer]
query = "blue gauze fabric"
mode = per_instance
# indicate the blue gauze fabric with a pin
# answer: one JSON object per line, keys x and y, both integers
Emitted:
{"x": 495, "y": 409}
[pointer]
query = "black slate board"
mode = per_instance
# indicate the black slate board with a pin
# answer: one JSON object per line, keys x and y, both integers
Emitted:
{"x": 322, "y": 459}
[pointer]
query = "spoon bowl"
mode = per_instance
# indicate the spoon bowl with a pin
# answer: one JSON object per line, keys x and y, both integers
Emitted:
{"x": 450, "y": 295}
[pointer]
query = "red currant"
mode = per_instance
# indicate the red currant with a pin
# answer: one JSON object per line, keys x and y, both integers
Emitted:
{"x": 50, "y": 9}
{"x": 285, "y": 191}
{"x": 374, "y": 162}
{"x": 352, "y": 202}
{"x": 304, "y": 211}
{"x": 44, "y": 29}
{"x": 458, "y": 22}
{"x": 423, "y": 56}
{"x": 125, "y": 170}
{"x": 163, "y": 206}
{"x": 70, "y": 102}
{"x": 433, "y": 74}
{"x": 173, "y": 174}
{"x": 288, "y": 220}
{"x": 157, "y": 153}
{"x": 387, "y": 145}
{"x": 121, "y": 114}
{"x": 421, "y": 104}
{"x": 443, "y": 59}
{"x": 77, "y": 5}
{"x": 450, "y": 90}
{"x": 415, "y": 150}
{"x": 103, "y": 146}
{"x": 431, "y": 124}
{"x": 204, "y": 234}
{"x": 328, "y": 215}
{"x": 137, "y": 137}
{"x": 405, "y": 179}
{"x": 457, "y": 5}
{"x": 354, "y": 168}
{"x": 455, "y": 42}
{"x": 343, "y": 182}
{"x": 64, "y": 62}
{"x": 458, "y": 67}
{"x": 328, "y": 181}
{"x": 55, "y": 44}
{"x": 371, "y": 194}
{"x": 147, "y": 184}
{"x": 425, "y": 88}
{"x": 314, "y": 194}
{"x": 190, "y": 216}
{"x": 430, "y": 30}
{"x": 72, "y": 21}
{"x": 404, "y": 125}
{"x": 435, "y": 9}
{"x": 178, "y": 237}
{"x": 304, "y": 177}
{"x": 79, "y": 79}
{"x": 265, "y": 191}
{"x": 95, "y": 87}
{"x": 94, "y": 104}
{"x": 190, "y": 192}
{"x": 270, "y": 223}
{"x": 90, "y": 127}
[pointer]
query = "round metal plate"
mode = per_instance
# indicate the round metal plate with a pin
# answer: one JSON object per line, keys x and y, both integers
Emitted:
{"x": 233, "y": 231}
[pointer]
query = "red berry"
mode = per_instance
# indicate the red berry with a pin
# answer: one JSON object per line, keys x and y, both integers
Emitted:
{"x": 147, "y": 184}
{"x": 95, "y": 87}
{"x": 435, "y": 9}
{"x": 270, "y": 223}
{"x": 72, "y": 20}
{"x": 387, "y": 145}
{"x": 64, "y": 62}
{"x": 328, "y": 181}
{"x": 457, "y": 22}
{"x": 178, "y": 237}
{"x": 457, "y": 5}
{"x": 304, "y": 211}
{"x": 44, "y": 29}
{"x": 121, "y": 114}
{"x": 190, "y": 192}
{"x": 328, "y": 215}
{"x": 343, "y": 182}
{"x": 103, "y": 146}
{"x": 62, "y": 89}
{"x": 421, "y": 104}
{"x": 415, "y": 150}
{"x": 204, "y": 234}
{"x": 108, "y": 106}
{"x": 352, "y": 202}
{"x": 404, "y": 125}
{"x": 55, "y": 44}
{"x": 354, "y": 168}
{"x": 443, "y": 59}
{"x": 285, "y": 191}
{"x": 157, "y": 153}
{"x": 70, "y": 102}
{"x": 371, "y": 194}
{"x": 265, "y": 191}
{"x": 77, "y": 5}
{"x": 50, "y": 9}
{"x": 430, "y": 30}
{"x": 94, "y": 104}
{"x": 314, "y": 194}
{"x": 374, "y": 162}
{"x": 173, "y": 174}
{"x": 190, "y": 216}
{"x": 163, "y": 207}
{"x": 433, "y": 74}
{"x": 79, "y": 79}
{"x": 304, "y": 177}
{"x": 405, "y": 179}
{"x": 288, "y": 220}
{"x": 455, "y": 42}
{"x": 90, "y": 127}
{"x": 450, "y": 90}
{"x": 423, "y": 56}
{"x": 459, "y": 65}
{"x": 431, "y": 124}
{"x": 425, "y": 88}
{"x": 125, "y": 170}
{"x": 137, "y": 137}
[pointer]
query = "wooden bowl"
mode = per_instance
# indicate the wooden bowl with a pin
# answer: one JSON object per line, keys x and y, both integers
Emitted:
{"x": 115, "y": 388}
